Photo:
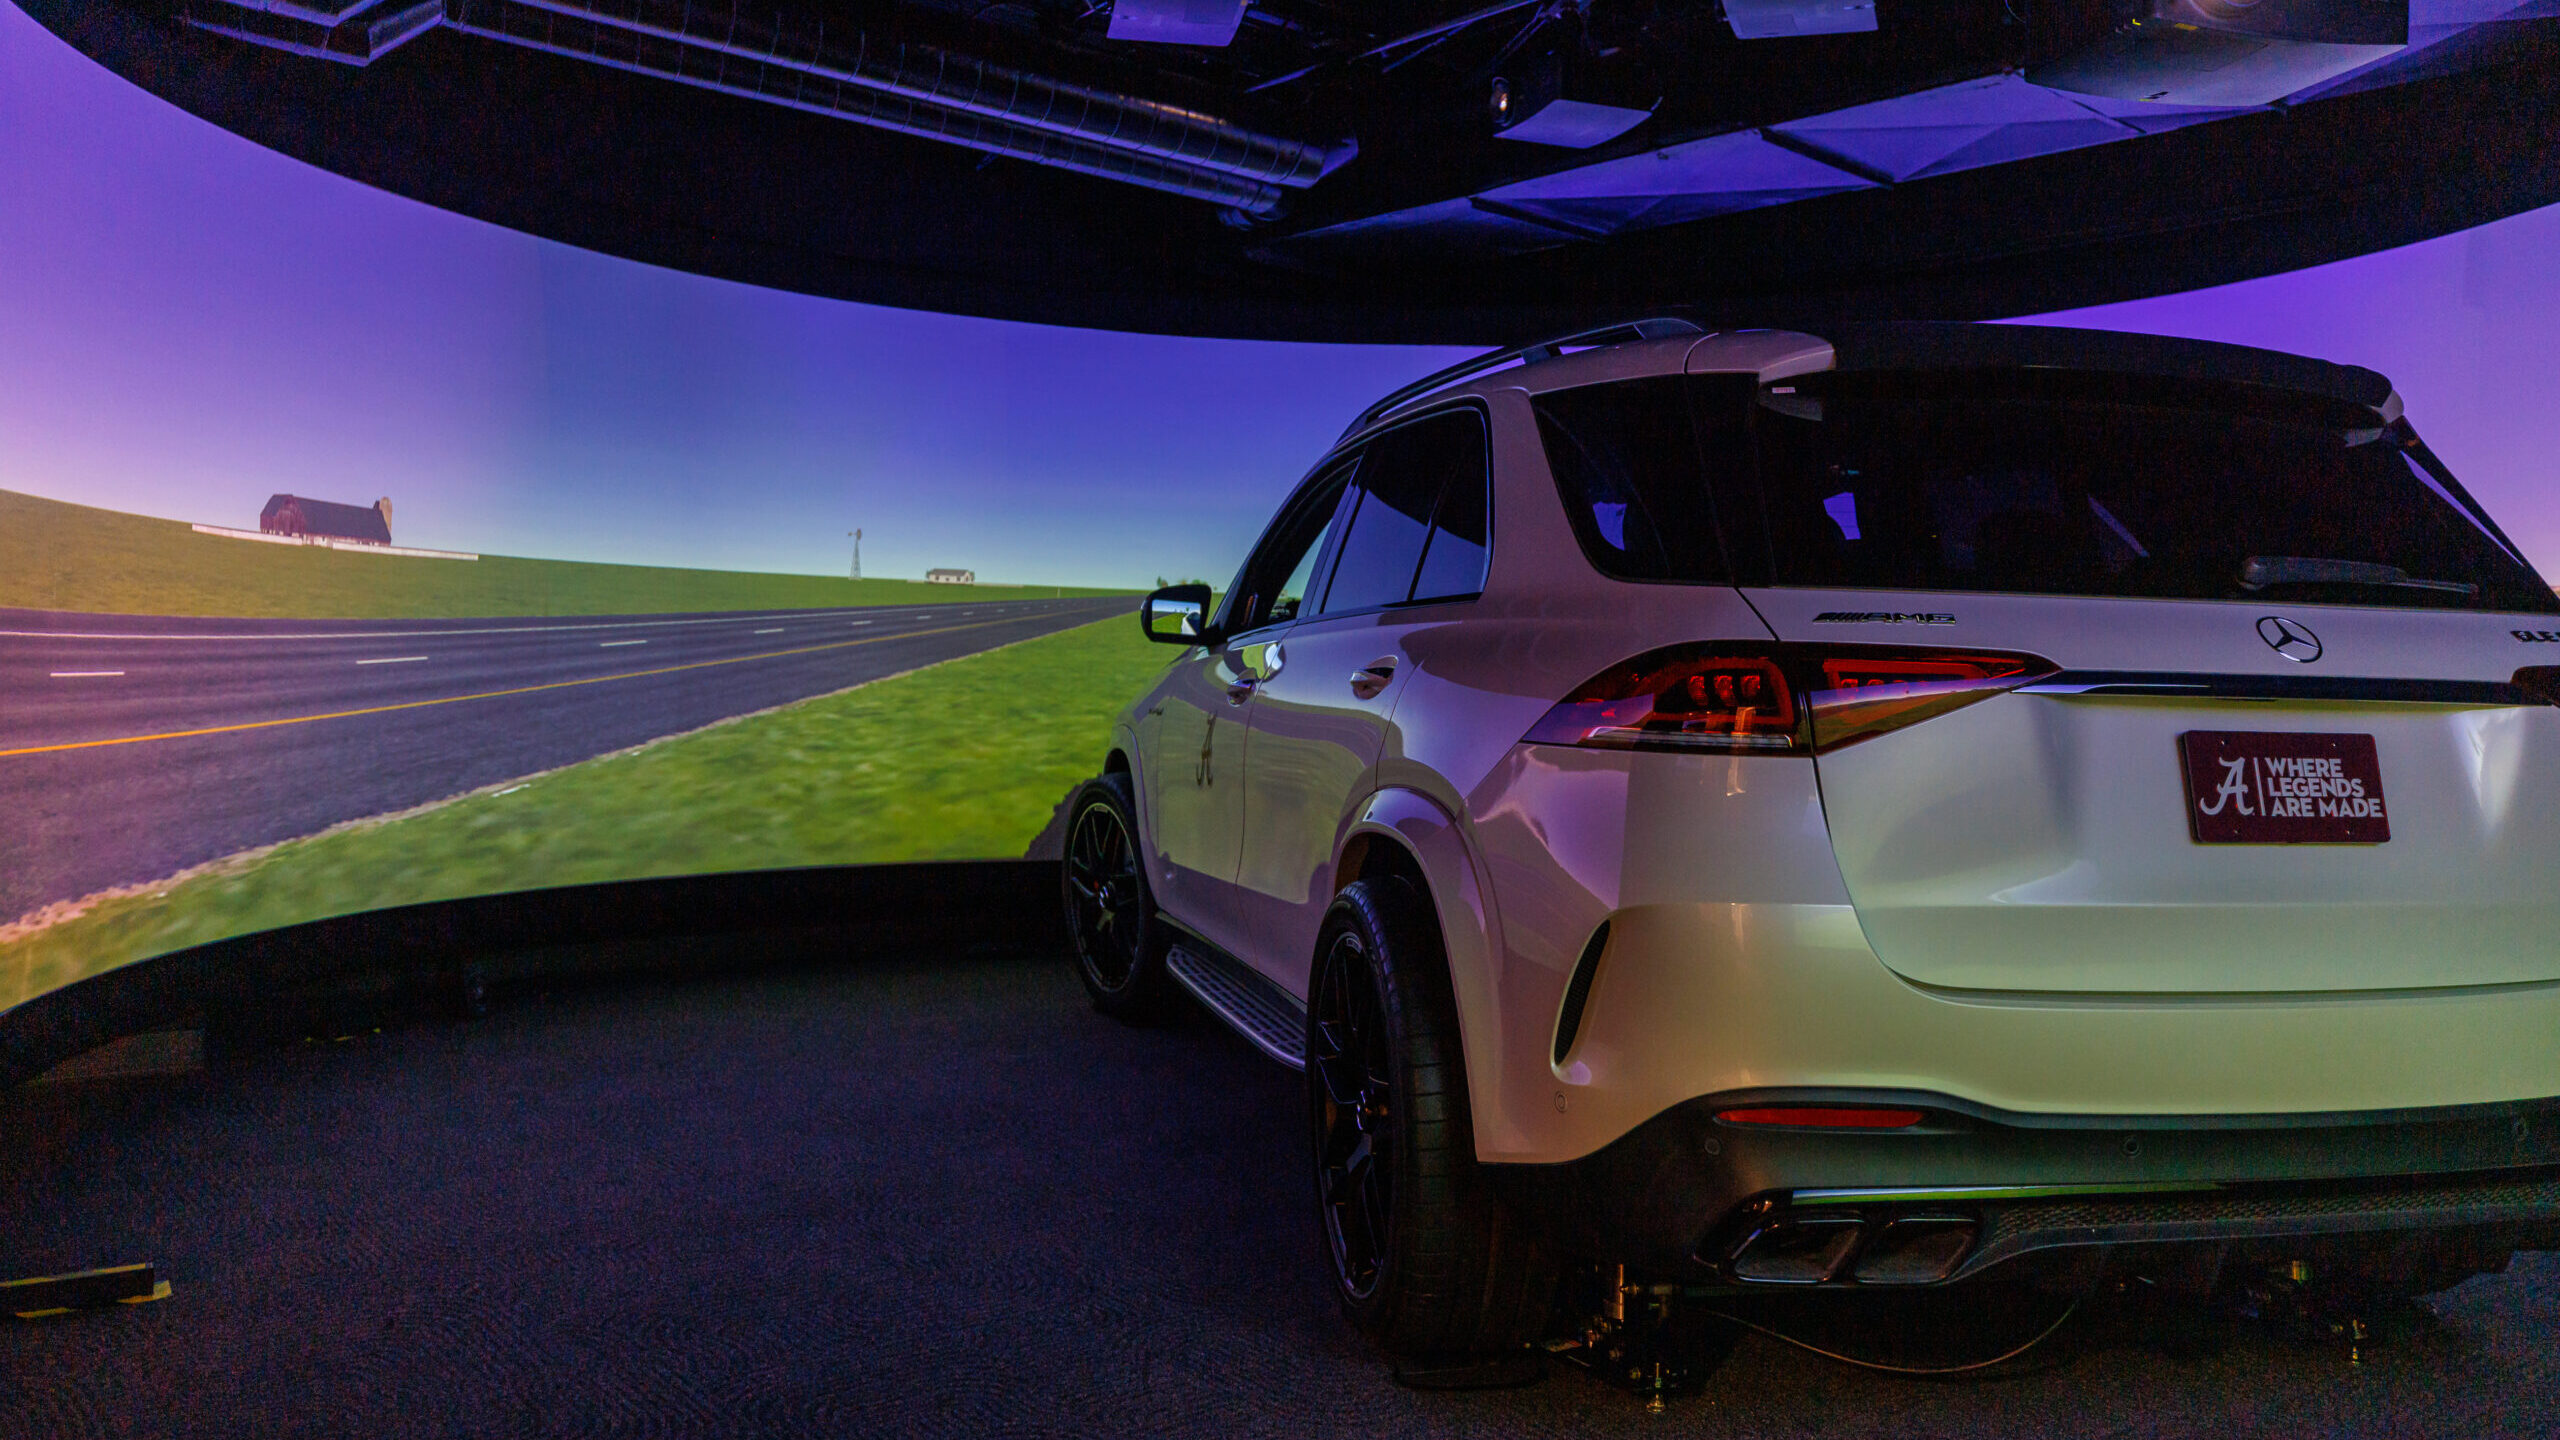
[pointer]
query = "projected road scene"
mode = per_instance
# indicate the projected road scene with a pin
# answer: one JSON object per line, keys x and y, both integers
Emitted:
{"x": 177, "y": 777}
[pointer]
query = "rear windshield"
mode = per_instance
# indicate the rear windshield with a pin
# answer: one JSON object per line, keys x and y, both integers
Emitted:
{"x": 2047, "y": 483}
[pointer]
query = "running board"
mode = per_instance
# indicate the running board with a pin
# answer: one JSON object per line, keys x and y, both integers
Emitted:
{"x": 1252, "y": 1006}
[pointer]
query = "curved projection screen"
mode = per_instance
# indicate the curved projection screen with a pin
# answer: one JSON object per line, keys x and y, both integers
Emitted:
{"x": 356, "y": 555}
{"x": 353, "y": 554}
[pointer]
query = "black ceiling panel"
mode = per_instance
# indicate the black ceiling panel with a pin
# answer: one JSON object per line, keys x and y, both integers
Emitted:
{"x": 1435, "y": 230}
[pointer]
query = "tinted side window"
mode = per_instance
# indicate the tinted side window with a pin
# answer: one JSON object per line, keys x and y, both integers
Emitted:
{"x": 1275, "y": 581}
{"x": 1628, "y": 466}
{"x": 1453, "y": 562}
{"x": 1400, "y": 485}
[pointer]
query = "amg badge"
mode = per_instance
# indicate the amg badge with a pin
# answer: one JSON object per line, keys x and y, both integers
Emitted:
{"x": 1884, "y": 617}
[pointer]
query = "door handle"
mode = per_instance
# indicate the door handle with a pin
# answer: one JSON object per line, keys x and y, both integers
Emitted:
{"x": 1240, "y": 691}
{"x": 1370, "y": 680}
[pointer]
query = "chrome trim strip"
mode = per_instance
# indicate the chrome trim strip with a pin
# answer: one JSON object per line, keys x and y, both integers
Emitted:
{"x": 1962, "y": 1193}
{"x": 2374, "y": 689}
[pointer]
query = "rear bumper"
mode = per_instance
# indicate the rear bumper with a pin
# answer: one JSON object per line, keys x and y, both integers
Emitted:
{"x": 1685, "y": 1194}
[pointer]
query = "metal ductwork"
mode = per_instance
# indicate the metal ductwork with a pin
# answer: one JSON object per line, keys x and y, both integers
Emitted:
{"x": 356, "y": 33}
{"x": 909, "y": 89}
{"x": 323, "y": 13}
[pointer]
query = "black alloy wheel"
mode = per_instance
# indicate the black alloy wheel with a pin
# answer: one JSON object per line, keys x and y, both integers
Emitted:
{"x": 1354, "y": 1100}
{"x": 1110, "y": 915}
{"x": 1426, "y": 1261}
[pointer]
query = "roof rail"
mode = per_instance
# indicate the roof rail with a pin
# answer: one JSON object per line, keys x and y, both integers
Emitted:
{"x": 1657, "y": 327}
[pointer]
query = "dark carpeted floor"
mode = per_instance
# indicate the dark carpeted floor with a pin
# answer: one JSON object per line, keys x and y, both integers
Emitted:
{"x": 904, "y": 1200}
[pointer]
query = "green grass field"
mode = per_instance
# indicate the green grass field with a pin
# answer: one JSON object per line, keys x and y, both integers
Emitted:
{"x": 57, "y": 556}
{"x": 963, "y": 760}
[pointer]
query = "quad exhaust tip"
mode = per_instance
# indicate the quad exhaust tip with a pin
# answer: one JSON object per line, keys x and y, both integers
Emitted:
{"x": 1794, "y": 1249}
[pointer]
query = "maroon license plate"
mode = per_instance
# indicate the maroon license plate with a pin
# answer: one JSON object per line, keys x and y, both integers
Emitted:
{"x": 2253, "y": 787}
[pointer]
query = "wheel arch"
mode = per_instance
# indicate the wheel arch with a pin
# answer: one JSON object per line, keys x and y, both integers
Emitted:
{"x": 1121, "y": 758}
{"x": 1407, "y": 834}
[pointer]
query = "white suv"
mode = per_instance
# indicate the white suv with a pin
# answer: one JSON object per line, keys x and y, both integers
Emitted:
{"x": 1766, "y": 809}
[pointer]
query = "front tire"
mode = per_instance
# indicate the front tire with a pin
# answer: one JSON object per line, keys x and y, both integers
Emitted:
{"x": 1111, "y": 915}
{"x": 1426, "y": 1261}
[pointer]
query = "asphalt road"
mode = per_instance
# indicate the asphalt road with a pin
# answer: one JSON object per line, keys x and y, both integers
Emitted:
{"x": 132, "y": 747}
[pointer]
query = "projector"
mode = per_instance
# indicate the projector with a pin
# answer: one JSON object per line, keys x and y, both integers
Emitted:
{"x": 1529, "y": 102}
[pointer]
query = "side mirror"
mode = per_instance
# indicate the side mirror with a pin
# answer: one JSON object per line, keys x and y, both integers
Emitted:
{"x": 1177, "y": 615}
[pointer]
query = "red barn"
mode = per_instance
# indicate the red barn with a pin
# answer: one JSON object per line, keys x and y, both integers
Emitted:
{"x": 294, "y": 515}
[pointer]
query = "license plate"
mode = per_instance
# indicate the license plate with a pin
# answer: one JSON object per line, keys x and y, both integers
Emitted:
{"x": 2254, "y": 787}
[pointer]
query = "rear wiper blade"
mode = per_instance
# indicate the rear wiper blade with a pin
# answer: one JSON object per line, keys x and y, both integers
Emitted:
{"x": 2261, "y": 571}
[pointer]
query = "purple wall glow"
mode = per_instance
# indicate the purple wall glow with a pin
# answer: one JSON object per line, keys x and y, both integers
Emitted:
{"x": 190, "y": 323}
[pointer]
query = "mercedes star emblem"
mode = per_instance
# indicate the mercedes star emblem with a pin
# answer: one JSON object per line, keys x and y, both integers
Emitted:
{"x": 2291, "y": 638}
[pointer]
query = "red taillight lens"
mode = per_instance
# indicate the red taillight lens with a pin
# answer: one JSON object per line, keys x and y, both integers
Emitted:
{"x": 1681, "y": 698}
{"x": 1858, "y": 672}
{"x": 1719, "y": 697}
{"x": 1863, "y": 695}
{"x": 1824, "y": 1117}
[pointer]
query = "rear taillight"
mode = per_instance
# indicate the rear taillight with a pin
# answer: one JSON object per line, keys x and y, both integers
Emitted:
{"x": 1685, "y": 697}
{"x": 1867, "y": 694}
{"x": 1773, "y": 698}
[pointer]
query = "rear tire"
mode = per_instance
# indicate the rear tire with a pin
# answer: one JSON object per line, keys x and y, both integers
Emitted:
{"x": 1111, "y": 915}
{"x": 1426, "y": 1261}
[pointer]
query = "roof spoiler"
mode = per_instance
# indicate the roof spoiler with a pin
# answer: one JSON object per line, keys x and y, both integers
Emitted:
{"x": 2053, "y": 347}
{"x": 1922, "y": 345}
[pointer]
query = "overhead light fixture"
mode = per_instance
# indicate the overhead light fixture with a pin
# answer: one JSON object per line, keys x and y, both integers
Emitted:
{"x": 1176, "y": 22}
{"x": 2222, "y": 53}
{"x": 2332, "y": 22}
{"x": 1781, "y": 19}
{"x": 1528, "y": 101}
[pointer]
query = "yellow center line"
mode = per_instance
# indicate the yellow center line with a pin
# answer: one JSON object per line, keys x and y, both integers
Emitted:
{"x": 497, "y": 694}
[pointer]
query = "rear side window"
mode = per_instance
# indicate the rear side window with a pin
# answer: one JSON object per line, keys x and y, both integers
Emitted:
{"x": 1420, "y": 517}
{"x": 1453, "y": 560}
{"x": 2091, "y": 485}
{"x": 1629, "y": 469}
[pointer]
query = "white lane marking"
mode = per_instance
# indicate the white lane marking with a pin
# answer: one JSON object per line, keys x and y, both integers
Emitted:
{"x": 419, "y": 634}
{"x": 776, "y": 630}
{"x": 510, "y": 790}
{"x": 401, "y": 634}
{"x": 386, "y": 709}
{"x": 394, "y": 660}
{"x": 857, "y": 622}
{"x": 609, "y": 644}
{"x": 84, "y": 674}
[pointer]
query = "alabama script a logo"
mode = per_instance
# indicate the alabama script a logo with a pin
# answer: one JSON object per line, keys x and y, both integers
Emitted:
{"x": 2233, "y": 791}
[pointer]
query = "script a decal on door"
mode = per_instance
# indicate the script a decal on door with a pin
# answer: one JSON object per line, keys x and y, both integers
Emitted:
{"x": 2251, "y": 787}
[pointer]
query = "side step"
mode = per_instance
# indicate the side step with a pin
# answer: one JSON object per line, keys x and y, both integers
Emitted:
{"x": 1255, "y": 1008}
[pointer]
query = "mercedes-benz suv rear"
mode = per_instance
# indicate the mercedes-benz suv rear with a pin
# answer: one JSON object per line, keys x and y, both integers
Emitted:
{"x": 1866, "y": 809}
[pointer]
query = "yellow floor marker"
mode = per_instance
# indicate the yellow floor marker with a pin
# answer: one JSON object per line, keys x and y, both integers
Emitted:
{"x": 43, "y": 1295}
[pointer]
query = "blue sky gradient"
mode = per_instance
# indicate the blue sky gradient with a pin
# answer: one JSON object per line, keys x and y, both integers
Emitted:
{"x": 189, "y": 323}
